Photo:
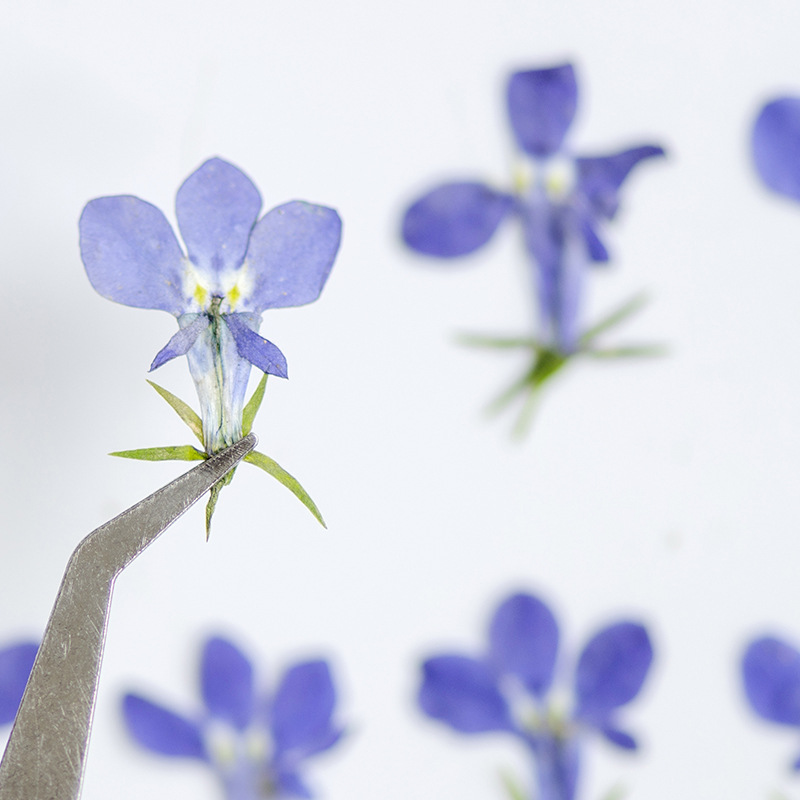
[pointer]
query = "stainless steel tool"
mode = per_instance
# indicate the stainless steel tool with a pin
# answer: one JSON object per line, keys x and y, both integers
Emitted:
{"x": 46, "y": 753}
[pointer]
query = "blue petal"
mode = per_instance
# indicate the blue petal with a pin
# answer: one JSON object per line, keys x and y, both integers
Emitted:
{"x": 594, "y": 245}
{"x": 523, "y": 641}
{"x": 541, "y": 105}
{"x": 611, "y": 670}
{"x": 162, "y": 731}
{"x": 259, "y": 351}
{"x": 291, "y": 252}
{"x": 226, "y": 679}
{"x": 600, "y": 177}
{"x": 771, "y": 672}
{"x": 131, "y": 254}
{"x": 292, "y": 785}
{"x": 181, "y": 342}
{"x": 302, "y": 709}
{"x": 454, "y": 219}
{"x": 16, "y": 663}
{"x": 558, "y": 766}
{"x": 216, "y": 207}
{"x": 463, "y": 693}
{"x": 619, "y": 738}
{"x": 776, "y": 146}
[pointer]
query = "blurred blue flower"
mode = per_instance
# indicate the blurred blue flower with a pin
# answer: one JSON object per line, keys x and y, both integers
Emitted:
{"x": 16, "y": 662}
{"x": 510, "y": 689}
{"x": 256, "y": 742}
{"x": 562, "y": 201}
{"x": 236, "y": 266}
{"x": 771, "y": 674}
{"x": 776, "y": 146}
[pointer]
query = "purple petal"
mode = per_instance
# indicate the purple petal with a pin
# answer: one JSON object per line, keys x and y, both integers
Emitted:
{"x": 619, "y": 738}
{"x": 454, "y": 219}
{"x": 302, "y": 709}
{"x": 463, "y": 693}
{"x": 131, "y": 254}
{"x": 776, "y": 146}
{"x": 771, "y": 672}
{"x": 558, "y": 762}
{"x": 594, "y": 245}
{"x": 600, "y": 177}
{"x": 291, "y": 252}
{"x": 216, "y": 207}
{"x": 16, "y": 663}
{"x": 162, "y": 731}
{"x": 523, "y": 641}
{"x": 291, "y": 785}
{"x": 226, "y": 678}
{"x": 541, "y": 105}
{"x": 181, "y": 342}
{"x": 256, "y": 349}
{"x": 611, "y": 670}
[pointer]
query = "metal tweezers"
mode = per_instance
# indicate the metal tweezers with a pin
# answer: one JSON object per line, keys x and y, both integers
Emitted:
{"x": 46, "y": 753}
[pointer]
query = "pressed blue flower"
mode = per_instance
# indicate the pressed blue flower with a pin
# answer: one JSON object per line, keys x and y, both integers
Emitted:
{"x": 513, "y": 688}
{"x": 235, "y": 266}
{"x": 16, "y": 663}
{"x": 561, "y": 200}
{"x": 255, "y": 741}
{"x": 771, "y": 675}
{"x": 776, "y": 146}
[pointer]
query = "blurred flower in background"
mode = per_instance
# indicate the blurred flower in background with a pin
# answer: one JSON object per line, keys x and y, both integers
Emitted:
{"x": 562, "y": 202}
{"x": 513, "y": 688}
{"x": 771, "y": 675}
{"x": 255, "y": 741}
{"x": 16, "y": 662}
{"x": 237, "y": 266}
{"x": 776, "y": 146}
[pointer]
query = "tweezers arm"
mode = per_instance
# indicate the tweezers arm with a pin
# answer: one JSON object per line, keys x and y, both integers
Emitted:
{"x": 45, "y": 761}
{"x": 46, "y": 753}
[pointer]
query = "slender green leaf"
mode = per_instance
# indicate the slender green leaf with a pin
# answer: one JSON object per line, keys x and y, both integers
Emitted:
{"x": 633, "y": 351}
{"x": 181, "y": 452}
{"x": 616, "y": 792}
{"x": 498, "y": 342}
{"x": 182, "y": 410}
{"x": 291, "y": 483}
{"x": 213, "y": 496}
{"x": 620, "y": 315}
{"x": 253, "y": 404}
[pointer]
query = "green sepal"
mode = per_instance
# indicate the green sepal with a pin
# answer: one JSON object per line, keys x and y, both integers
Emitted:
{"x": 253, "y": 404}
{"x": 185, "y": 412}
{"x": 291, "y": 483}
{"x": 515, "y": 791}
{"x": 181, "y": 452}
{"x": 546, "y": 362}
{"x": 616, "y": 792}
{"x": 213, "y": 496}
{"x": 496, "y": 342}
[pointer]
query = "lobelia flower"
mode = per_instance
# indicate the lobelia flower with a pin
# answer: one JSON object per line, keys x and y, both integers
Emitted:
{"x": 776, "y": 146}
{"x": 562, "y": 202}
{"x": 256, "y": 743}
{"x": 509, "y": 689}
{"x": 236, "y": 266}
{"x": 16, "y": 663}
{"x": 771, "y": 676}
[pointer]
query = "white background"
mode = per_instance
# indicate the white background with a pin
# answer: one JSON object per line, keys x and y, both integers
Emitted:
{"x": 665, "y": 490}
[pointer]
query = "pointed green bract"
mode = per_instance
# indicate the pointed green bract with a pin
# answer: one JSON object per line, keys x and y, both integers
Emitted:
{"x": 626, "y": 310}
{"x": 184, "y": 411}
{"x": 496, "y": 342}
{"x": 290, "y": 482}
{"x": 511, "y": 786}
{"x": 181, "y": 452}
{"x": 253, "y": 404}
